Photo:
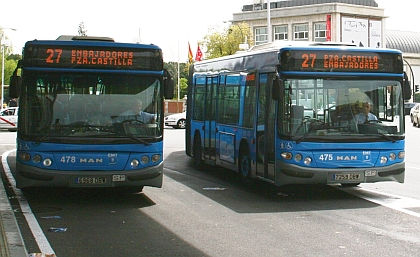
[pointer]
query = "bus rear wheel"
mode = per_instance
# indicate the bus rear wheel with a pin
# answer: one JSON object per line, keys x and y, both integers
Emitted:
{"x": 198, "y": 162}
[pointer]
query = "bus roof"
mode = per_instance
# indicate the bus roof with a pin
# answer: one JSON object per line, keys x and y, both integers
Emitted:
{"x": 266, "y": 55}
{"x": 91, "y": 41}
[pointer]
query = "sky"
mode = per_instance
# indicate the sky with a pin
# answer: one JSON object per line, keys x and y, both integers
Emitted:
{"x": 170, "y": 24}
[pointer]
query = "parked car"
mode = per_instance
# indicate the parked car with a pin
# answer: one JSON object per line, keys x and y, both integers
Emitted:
{"x": 9, "y": 118}
{"x": 414, "y": 115}
{"x": 176, "y": 120}
{"x": 407, "y": 108}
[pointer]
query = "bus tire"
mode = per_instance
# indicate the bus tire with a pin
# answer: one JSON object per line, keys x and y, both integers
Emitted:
{"x": 198, "y": 161}
{"x": 245, "y": 166}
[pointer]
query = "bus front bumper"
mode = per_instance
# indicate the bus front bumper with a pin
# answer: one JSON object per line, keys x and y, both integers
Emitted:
{"x": 29, "y": 176}
{"x": 293, "y": 174}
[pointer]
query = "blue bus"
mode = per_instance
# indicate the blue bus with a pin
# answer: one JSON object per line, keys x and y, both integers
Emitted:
{"x": 79, "y": 116}
{"x": 293, "y": 113}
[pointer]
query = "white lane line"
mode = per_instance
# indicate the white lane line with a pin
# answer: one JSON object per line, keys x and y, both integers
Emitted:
{"x": 395, "y": 202}
{"x": 36, "y": 230}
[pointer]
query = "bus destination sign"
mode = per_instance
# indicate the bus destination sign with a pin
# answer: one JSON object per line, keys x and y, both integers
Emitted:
{"x": 93, "y": 57}
{"x": 340, "y": 61}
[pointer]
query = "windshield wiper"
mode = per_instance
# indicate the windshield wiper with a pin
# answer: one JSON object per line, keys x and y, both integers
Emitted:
{"x": 318, "y": 124}
{"x": 387, "y": 137}
{"x": 137, "y": 139}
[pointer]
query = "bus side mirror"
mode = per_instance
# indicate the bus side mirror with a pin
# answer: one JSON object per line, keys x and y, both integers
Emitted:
{"x": 406, "y": 88}
{"x": 15, "y": 84}
{"x": 168, "y": 86}
{"x": 277, "y": 90}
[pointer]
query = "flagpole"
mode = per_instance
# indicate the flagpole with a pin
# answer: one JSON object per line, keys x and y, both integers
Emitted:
{"x": 269, "y": 39}
{"x": 178, "y": 78}
{"x": 178, "y": 71}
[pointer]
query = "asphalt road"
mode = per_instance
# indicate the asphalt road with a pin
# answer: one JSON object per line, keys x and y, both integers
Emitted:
{"x": 209, "y": 213}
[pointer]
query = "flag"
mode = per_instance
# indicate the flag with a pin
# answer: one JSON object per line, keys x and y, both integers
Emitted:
{"x": 190, "y": 54}
{"x": 199, "y": 54}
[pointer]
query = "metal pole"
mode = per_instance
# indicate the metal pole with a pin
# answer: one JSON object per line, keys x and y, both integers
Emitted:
{"x": 3, "y": 45}
{"x": 269, "y": 37}
{"x": 2, "y": 73}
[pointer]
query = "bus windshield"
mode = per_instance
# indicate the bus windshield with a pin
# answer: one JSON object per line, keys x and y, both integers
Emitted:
{"x": 85, "y": 105}
{"x": 318, "y": 109}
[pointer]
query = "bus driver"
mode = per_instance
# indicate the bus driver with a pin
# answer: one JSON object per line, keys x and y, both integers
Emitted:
{"x": 136, "y": 113}
{"x": 366, "y": 115}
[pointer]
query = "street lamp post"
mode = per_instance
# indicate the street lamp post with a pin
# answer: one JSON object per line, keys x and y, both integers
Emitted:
{"x": 3, "y": 45}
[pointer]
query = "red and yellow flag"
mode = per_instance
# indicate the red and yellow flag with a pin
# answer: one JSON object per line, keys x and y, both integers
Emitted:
{"x": 199, "y": 54}
{"x": 190, "y": 54}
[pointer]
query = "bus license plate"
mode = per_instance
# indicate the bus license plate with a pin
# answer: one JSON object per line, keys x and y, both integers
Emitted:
{"x": 349, "y": 176}
{"x": 90, "y": 181}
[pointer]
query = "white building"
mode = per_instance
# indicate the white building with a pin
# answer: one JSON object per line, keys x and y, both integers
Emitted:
{"x": 360, "y": 22}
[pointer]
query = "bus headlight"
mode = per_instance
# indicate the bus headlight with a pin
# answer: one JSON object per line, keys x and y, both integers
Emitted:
{"x": 307, "y": 160}
{"x": 145, "y": 159}
{"x": 286, "y": 155}
{"x": 298, "y": 157}
{"x": 155, "y": 157}
{"x": 401, "y": 155}
{"x": 37, "y": 158}
{"x": 392, "y": 156}
{"x": 47, "y": 162}
{"x": 134, "y": 163}
{"x": 384, "y": 159}
{"x": 24, "y": 157}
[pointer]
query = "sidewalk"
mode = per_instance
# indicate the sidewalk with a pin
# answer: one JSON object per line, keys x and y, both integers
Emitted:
{"x": 11, "y": 242}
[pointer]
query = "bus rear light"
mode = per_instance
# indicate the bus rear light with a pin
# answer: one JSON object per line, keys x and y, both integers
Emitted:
{"x": 134, "y": 163}
{"x": 47, "y": 162}
{"x": 156, "y": 158}
{"x": 384, "y": 159}
{"x": 37, "y": 158}
{"x": 286, "y": 155}
{"x": 24, "y": 157}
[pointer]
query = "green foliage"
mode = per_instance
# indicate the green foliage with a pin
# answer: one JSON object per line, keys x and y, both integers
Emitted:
{"x": 172, "y": 68}
{"x": 417, "y": 97}
{"x": 10, "y": 63}
{"x": 226, "y": 42}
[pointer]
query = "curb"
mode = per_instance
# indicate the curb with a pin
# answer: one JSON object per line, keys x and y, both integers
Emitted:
{"x": 11, "y": 242}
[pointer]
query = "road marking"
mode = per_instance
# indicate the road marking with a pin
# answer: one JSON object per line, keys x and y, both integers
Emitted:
{"x": 395, "y": 202}
{"x": 36, "y": 230}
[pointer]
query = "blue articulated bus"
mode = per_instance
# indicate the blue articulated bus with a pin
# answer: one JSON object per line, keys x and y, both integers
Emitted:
{"x": 295, "y": 113}
{"x": 80, "y": 100}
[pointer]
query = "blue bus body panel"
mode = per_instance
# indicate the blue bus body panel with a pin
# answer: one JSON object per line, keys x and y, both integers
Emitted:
{"x": 336, "y": 155}
{"x": 68, "y": 157}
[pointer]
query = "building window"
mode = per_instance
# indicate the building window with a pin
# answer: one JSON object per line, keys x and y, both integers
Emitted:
{"x": 301, "y": 32}
{"x": 261, "y": 36}
{"x": 320, "y": 32}
{"x": 280, "y": 32}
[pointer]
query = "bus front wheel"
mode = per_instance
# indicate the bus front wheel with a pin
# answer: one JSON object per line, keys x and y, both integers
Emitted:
{"x": 245, "y": 166}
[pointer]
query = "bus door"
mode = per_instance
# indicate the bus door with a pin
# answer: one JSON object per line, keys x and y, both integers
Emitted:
{"x": 265, "y": 127}
{"x": 210, "y": 120}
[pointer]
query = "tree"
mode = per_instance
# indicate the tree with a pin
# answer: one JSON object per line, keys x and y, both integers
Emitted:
{"x": 172, "y": 68}
{"x": 82, "y": 31}
{"x": 226, "y": 42}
